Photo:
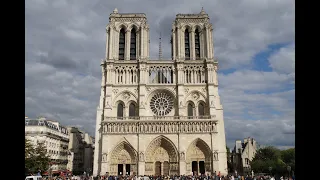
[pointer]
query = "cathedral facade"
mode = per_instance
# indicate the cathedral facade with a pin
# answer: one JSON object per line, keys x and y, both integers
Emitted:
{"x": 159, "y": 117}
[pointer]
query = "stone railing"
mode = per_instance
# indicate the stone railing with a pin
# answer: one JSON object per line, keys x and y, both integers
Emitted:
{"x": 159, "y": 125}
{"x": 156, "y": 118}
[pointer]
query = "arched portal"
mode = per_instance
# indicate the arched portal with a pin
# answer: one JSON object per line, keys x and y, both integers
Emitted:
{"x": 199, "y": 157}
{"x": 161, "y": 157}
{"x": 123, "y": 159}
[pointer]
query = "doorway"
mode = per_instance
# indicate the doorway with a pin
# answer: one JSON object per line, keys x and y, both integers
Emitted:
{"x": 195, "y": 168}
{"x": 120, "y": 169}
{"x": 202, "y": 167}
{"x": 166, "y": 167}
{"x": 157, "y": 168}
{"x": 128, "y": 169}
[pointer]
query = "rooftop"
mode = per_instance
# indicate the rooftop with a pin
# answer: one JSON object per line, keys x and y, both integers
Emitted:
{"x": 47, "y": 123}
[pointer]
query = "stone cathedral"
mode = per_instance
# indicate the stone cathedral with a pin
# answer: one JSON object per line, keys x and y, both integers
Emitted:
{"x": 159, "y": 116}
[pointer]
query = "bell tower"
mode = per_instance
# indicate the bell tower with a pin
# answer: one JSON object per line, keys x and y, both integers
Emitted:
{"x": 127, "y": 36}
{"x": 192, "y": 37}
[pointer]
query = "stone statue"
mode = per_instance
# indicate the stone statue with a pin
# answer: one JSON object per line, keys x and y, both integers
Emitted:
{"x": 141, "y": 156}
{"x": 215, "y": 156}
{"x": 182, "y": 156}
{"x": 104, "y": 157}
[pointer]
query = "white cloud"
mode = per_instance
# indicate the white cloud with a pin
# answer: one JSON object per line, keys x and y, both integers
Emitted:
{"x": 283, "y": 61}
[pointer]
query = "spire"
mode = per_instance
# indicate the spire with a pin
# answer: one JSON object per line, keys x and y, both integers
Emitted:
{"x": 160, "y": 49}
{"x": 202, "y": 11}
{"x": 115, "y": 11}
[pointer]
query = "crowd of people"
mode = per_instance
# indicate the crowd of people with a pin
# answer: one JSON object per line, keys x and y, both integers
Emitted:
{"x": 190, "y": 177}
{"x": 175, "y": 177}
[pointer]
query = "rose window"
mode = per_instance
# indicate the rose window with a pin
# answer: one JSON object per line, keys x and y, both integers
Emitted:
{"x": 161, "y": 104}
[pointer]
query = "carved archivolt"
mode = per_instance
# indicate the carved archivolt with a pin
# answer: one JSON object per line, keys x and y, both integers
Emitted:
{"x": 161, "y": 149}
{"x": 133, "y": 25}
{"x": 191, "y": 27}
{"x": 195, "y": 96}
{"x": 198, "y": 150}
{"x": 123, "y": 153}
{"x": 124, "y": 96}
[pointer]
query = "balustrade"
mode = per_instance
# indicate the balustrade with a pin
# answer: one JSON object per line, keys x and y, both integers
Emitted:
{"x": 152, "y": 125}
{"x": 126, "y": 75}
{"x": 161, "y": 74}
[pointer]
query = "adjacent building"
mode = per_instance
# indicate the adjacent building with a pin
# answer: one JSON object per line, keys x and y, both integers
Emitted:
{"x": 242, "y": 155}
{"x": 80, "y": 154}
{"x": 54, "y": 136}
{"x": 159, "y": 116}
{"x": 69, "y": 148}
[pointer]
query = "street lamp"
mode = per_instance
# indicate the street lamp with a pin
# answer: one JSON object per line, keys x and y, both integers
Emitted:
{"x": 289, "y": 169}
{"x": 270, "y": 169}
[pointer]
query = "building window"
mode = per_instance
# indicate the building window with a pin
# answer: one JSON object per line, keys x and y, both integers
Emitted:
{"x": 247, "y": 161}
{"x": 201, "y": 110}
{"x": 132, "y": 110}
{"x": 120, "y": 110}
{"x": 186, "y": 44}
{"x": 122, "y": 40}
{"x": 197, "y": 43}
{"x": 133, "y": 43}
{"x": 190, "y": 110}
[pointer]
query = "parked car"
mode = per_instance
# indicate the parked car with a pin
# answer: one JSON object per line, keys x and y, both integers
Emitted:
{"x": 33, "y": 178}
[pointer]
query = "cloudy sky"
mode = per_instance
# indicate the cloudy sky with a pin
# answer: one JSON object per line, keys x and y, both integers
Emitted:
{"x": 254, "y": 44}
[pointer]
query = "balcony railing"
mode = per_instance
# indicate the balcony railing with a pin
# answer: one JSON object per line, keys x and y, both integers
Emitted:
{"x": 157, "y": 125}
{"x": 156, "y": 118}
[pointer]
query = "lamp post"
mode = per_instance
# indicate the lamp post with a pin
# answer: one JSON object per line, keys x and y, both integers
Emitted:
{"x": 270, "y": 169}
{"x": 289, "y": 169}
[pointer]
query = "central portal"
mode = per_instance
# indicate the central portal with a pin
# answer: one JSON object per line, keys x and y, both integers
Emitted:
{"x": 161, "y": 157}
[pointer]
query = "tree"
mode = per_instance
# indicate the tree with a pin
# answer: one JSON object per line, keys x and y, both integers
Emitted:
{"x": 29, "y": 149}
{"x": 36, "y": 157}
{"x": 267, "y": 157}
{"x": 288, "y": 156}
{"x": 229, "y": 164}
{"x": 272, "y": 157}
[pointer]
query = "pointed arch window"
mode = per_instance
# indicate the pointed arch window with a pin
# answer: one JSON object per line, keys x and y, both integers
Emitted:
{"x": 120, "y": 110}
{"x": 122, "y": 40}
{"x": 190, "y": 110}
{"x": 133, "y": 43}
{"x": 201, "y": 110}
{"x": 187, "y": 44}
{"x": 132, "y": 110}
{"x": 197, "y": 43}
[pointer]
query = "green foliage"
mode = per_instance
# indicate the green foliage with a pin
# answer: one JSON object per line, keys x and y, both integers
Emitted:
{"x": 36, "y": 157}
{"x": 288, "y": 156}
{"x": 272, "y": 157}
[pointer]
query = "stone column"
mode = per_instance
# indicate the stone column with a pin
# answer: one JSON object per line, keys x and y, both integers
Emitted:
{"x": 107, "y": 42}
{"x": 202, "y": 44}
{"x": 110, "y": 46}
{"x": 174, "y": 43}
{"x": 208, "y": 42}
{"x": 127, "y": 45}
{"x": 124, "y": 169}
{"x": 192, "y": 45}
{"x": 161, "y": 168}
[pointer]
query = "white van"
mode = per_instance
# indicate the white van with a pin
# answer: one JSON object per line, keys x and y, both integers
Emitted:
{"x": 33, "y": 178}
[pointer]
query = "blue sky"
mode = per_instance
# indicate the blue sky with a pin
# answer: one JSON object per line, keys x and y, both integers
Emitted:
{"x": 253, "y": 42}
